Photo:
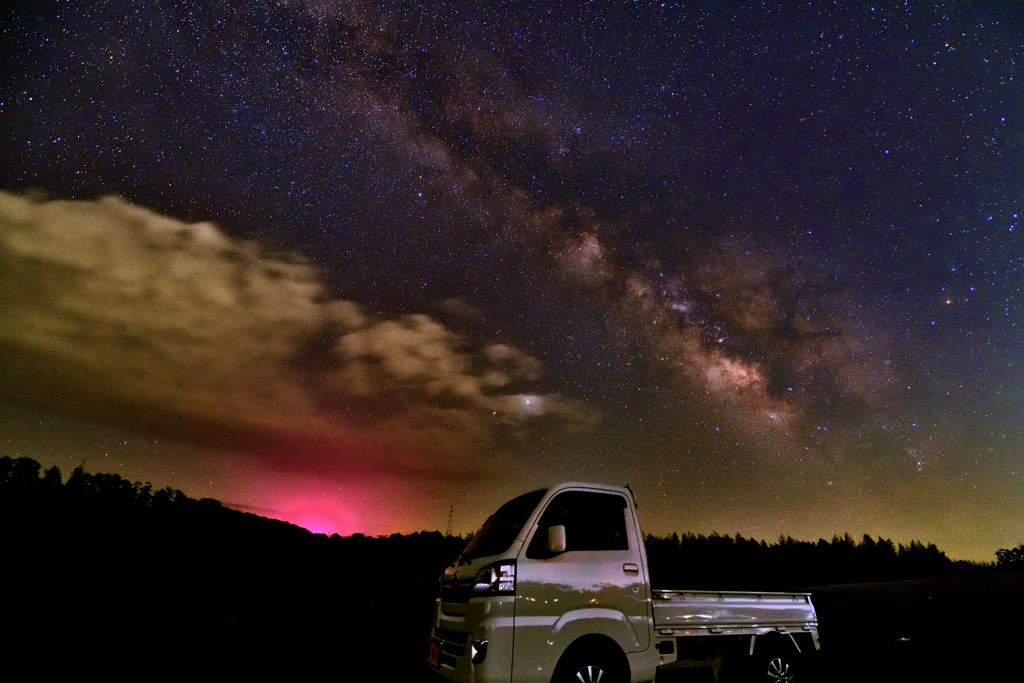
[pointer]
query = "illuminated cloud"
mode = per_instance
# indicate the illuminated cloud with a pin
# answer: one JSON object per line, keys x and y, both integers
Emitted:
{"x": 115, "y": 313}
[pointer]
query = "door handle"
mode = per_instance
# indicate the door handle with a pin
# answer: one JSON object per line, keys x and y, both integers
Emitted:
{"x": 630, "y": 568}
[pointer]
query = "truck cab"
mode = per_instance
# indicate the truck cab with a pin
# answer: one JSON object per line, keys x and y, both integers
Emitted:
{"x": 554, "y": 588}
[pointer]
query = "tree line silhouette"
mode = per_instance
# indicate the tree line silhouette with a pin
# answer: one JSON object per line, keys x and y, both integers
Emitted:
{"x": 723, "y": 562}
{"x": 105, "y": 562}
{"x": 94, "y": 512}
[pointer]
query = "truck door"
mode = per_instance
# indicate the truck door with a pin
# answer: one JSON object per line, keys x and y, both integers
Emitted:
{"x": 597, "y": 585}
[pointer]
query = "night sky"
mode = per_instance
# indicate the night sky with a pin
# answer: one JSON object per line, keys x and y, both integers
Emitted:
{"x": 349, "y": 264}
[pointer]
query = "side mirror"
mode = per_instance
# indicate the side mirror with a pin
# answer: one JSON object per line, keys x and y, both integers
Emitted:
{"x": 556, "y": 539}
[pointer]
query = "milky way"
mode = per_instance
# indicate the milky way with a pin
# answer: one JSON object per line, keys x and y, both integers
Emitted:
{"x": 761, "y": 262}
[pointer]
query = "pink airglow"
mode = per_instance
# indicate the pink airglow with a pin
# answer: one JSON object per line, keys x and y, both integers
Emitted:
{"x": 318, "y": 514}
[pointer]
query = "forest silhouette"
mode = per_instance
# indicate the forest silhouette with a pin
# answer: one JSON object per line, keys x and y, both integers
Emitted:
{"x": 108, "y": 564}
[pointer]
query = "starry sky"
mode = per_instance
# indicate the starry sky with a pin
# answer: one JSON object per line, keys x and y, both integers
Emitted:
{"x": 351, "y": 264}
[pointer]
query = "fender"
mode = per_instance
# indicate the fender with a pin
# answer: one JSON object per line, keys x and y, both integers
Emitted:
{"x": 581, "y": 622}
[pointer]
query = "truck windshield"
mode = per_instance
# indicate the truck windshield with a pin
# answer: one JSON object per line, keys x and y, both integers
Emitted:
{"x": 501, "y": 528}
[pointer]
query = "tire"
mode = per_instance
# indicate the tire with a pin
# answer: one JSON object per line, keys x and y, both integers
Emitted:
{"x": 778, "y": 666}
{"x": 780, "y": 670}
{"x": 589, "y": 666}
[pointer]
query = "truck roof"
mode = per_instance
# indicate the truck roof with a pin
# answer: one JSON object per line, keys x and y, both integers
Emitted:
{"x": 587, "y": 485}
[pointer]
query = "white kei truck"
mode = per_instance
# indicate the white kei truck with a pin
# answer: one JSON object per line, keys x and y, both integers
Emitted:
{"x": 555, "y": 588}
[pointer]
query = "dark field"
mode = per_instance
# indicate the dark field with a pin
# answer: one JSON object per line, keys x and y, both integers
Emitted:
{"x": 945, "y": 629}
{"x": 958, "y": 628}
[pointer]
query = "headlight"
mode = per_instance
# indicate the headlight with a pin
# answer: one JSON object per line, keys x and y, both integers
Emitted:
{"x": 496, "y": 579}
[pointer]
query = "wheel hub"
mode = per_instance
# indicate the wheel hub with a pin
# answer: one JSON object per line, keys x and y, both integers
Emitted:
{"x": 590, "y": 674}
{"x": 778, "y": 670}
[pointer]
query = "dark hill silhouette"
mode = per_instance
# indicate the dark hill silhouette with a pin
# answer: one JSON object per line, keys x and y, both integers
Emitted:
{"x": 106, "y": 565}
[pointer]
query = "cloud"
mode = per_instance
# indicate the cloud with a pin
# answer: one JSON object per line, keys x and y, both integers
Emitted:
{"x": 417, "y": 360}
{"x": 458, "y": 307}
{"x": 115, "y": 313}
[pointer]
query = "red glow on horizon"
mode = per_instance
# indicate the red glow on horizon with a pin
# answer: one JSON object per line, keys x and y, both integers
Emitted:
{"x": 318, "y": 514}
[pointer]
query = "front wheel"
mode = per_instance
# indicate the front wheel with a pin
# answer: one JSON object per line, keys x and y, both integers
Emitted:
{"x": 589, "y": 667}
{"x": 591, "y": 673}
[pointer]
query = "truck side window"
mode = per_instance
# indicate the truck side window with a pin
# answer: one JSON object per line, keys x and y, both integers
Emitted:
{"x": 593, "y": 521}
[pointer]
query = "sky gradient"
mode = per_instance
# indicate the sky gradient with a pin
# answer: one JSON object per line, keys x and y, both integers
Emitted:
{"x": 349, "y": 263}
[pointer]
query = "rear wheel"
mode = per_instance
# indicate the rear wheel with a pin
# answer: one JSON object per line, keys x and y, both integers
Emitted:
{"x": 774, "y": 665}
{"x": 776, "y": 660}
{"x": 779, "y": 669}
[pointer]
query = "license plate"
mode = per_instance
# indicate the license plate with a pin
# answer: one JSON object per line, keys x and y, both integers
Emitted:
{"x": 434, "y": 654}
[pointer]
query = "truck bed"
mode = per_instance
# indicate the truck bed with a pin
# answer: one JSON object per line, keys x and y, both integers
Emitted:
{"x": 684, "y": 612}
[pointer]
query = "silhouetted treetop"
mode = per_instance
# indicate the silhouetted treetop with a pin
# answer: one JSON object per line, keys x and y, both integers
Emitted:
{"x": 722, "y": 562}
{"x": 1011, "y": 558}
